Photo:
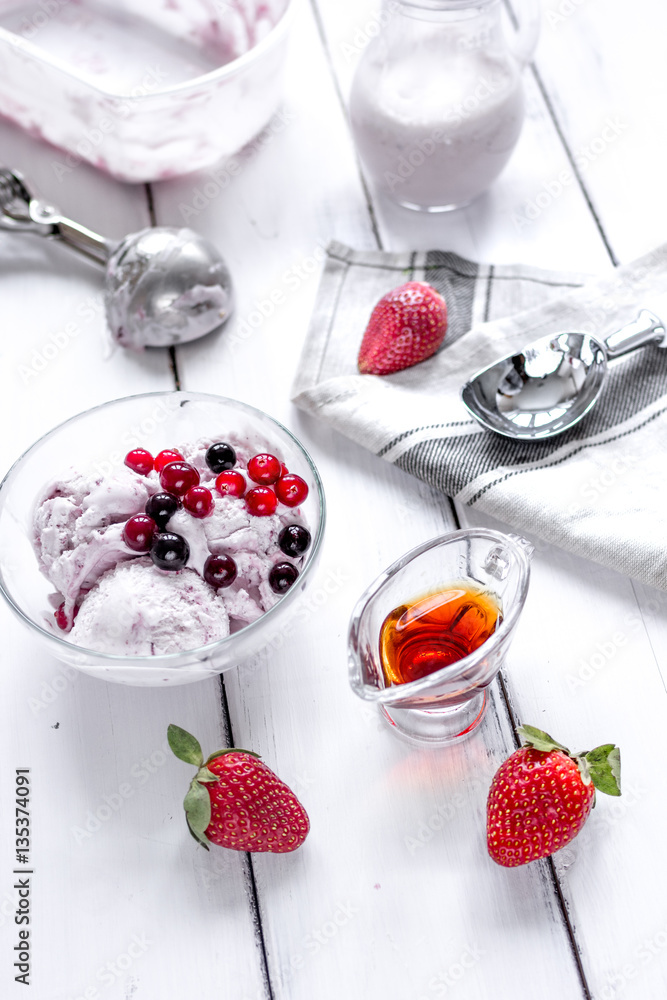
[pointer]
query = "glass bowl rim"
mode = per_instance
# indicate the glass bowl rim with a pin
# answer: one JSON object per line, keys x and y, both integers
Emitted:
{"x": 394, "y": 693}
{"x": 212, "y": 76}
{"x": 202, "y": 653}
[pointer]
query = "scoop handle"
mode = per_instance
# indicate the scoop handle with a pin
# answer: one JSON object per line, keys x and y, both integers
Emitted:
{"x": 56, "y": 227}
{"x": 646, "y": 329}
{"x": 21, "y": 212}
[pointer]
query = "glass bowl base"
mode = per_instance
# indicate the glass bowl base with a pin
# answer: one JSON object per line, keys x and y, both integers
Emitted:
{"x": 436, "y": 727}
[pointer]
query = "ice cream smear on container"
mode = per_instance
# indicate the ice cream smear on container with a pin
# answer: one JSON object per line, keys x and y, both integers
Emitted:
{"x": 143, "y": 89}
{"x": 170, "y": 552}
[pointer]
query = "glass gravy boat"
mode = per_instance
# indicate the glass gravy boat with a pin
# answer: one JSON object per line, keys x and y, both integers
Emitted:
{"x": 446, "y": 704}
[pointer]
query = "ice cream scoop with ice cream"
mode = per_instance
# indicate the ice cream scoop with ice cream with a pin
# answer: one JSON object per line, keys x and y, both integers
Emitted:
{"x": 173, "y": 552}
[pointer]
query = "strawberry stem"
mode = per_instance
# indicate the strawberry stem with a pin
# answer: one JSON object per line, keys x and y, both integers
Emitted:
{"x": 602, "y": 766}
{"x": 203, "y": 774}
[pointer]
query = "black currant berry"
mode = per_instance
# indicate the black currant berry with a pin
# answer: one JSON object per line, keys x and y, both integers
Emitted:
{"x": 162, "y": 506}
{"x": 220, "y": 571}
{"x": 220, "y": 457}
{"x": 282, "y": 576}
{"x": 294, "y": 540}
{"x": 169, "y": 550}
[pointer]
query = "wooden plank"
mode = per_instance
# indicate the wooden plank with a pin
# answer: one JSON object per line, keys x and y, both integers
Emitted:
{"x": 612, "y": 134}
{"x": 120, "y": 904}
{"x": 588, "y": 666}
{"x": 604, "y": 668}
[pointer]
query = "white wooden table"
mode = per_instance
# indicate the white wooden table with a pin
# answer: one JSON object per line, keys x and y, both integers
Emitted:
{"x": 393, "y": 896}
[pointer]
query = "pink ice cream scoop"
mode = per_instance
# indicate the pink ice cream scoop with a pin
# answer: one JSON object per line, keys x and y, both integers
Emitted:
{"x": 78, "y": 527}
{"x": 134, "y": 609}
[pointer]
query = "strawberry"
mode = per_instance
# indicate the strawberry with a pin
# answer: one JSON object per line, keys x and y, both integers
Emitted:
{"x": 541, "y": 796}
{"x": 236, "y": 801}
{"x": 407, "y": 326}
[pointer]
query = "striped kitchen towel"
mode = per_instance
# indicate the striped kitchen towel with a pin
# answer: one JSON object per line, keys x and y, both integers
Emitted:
{"x": 599, "y": 489}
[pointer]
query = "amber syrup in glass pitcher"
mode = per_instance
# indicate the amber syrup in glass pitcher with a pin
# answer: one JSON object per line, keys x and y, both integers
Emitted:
{"x": 436, "y": 630}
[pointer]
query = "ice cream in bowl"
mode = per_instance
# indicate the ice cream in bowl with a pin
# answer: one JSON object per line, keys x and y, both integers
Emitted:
{"x": 160, "y": 538}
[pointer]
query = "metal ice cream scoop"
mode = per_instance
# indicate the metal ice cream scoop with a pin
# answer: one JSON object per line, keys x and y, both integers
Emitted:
{"x": 163, "y": 286}
{"x": 552, "y": 383}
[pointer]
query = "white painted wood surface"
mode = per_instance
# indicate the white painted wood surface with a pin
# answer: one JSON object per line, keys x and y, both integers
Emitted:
{"x": 393, "y": 895}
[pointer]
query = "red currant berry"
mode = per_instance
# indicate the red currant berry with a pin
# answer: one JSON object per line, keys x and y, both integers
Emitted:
{"x": 261, "y": 501}
{"x": 264, "y": 469}
{"x": 139, "y": 460}
{"x": 220, "y": 571}
{"x": 291, "y": 490}
{"x": 138, "y": 532}
{"x": 178, "y": 478}
{"x": 198, "y": 501}
{"x": 61, "y": 617}
{"x": 230, "y": 483}
{"x": 165, "y": 457}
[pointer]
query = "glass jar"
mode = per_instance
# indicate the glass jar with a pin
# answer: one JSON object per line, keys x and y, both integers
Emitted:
{"x": 437, "y": 103}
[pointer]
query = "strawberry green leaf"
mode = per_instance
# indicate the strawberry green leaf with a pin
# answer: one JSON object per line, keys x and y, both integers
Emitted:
{"x": 203, "y": 774}
{"x": 604, "y": 765}
{"x": 197, "y": 805}
{"x": 185, "y": 746}
{"x": 539, "y": 740}
{"x": 202, "y": 841}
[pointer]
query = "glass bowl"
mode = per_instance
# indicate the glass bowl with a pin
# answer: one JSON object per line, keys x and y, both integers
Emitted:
{"x": 98, "y": 440}
{"x": 473, "y": 572}
{"x": 143, "y": 89}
